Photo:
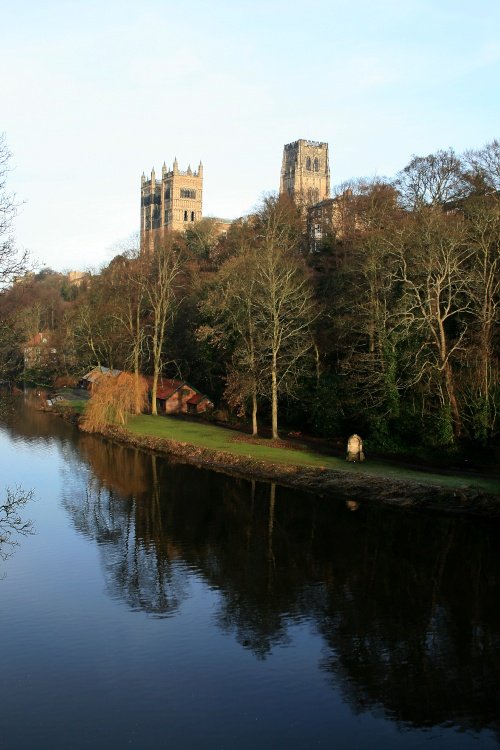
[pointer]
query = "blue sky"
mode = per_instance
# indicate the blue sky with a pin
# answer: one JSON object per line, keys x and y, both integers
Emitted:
{"x": 95, "y": 93}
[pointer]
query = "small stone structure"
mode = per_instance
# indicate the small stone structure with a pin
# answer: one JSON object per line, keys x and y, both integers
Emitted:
{"x": 355, "y": 449}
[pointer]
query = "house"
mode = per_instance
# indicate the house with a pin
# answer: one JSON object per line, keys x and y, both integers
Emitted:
{"x": 172, "y": 396}
{"x": 39, "y": 352}
{"x": 91, "y": 378}
{"x": 178, "y": 397}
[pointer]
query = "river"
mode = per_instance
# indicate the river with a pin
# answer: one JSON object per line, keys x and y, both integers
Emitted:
{"x": 160, "y": 605}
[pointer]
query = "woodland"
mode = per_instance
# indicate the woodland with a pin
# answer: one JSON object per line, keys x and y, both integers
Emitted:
{"x": 388, "y": 325}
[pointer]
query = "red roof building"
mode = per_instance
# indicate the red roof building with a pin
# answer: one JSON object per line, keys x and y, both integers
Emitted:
{"x": 178, "y": 397}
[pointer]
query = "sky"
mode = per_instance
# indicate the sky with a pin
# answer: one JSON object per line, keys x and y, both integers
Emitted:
{"x": 94, "y": 93}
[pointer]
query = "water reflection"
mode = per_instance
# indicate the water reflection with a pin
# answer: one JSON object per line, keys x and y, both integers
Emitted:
{"x": 407, "y": 605}
{"x": 13, "y": 525}
{"x": 415, "y": 629}
{"x": 138, "y": 568}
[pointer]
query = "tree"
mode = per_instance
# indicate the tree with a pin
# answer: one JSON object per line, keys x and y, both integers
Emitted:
{"x": 484, "y": 166}
{"x": 92, "y": 328}
{"x": 432, "y": 180}
{"x": 161, "y": 290}
{"x": 113, "y": 399}
{"x": 284, "y": 305}
{"x": 363, "y": 303}
{"x": 11, "y": 359}
{"x": 261, "y": 309}
{"x": 202, "y": 238}
{"x": 481, "y": 389}
{"x": 232, "y": 310}
{"x": 127, "y": 293}
{"x": 11, "y": 263}
{"x": 433, "y": 258}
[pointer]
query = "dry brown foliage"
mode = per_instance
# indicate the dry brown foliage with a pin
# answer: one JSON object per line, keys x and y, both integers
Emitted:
{"x": 114, "y": 399}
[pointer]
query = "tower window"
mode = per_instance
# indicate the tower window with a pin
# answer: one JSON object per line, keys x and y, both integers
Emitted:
{"x": 308, "y": 163}
{"x": 167, "y": 194}
{"x": 186, "y": 193}
{"x": 192, "y": 215}
{"x": 316, "y": 164}
{"x": 185, "y": 215}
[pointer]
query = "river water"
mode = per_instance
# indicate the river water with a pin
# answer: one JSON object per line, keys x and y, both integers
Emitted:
{"x": 160, "y": 605}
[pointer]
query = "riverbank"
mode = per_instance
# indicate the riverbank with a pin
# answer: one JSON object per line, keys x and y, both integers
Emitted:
{"x": 218, "y": 449}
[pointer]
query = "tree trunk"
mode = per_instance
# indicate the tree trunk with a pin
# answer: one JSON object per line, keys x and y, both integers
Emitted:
{"x": 153, "y": 392}
{"x": 455, "y": 411}
{"x": 274, "y": 399}
{"x": 137, "y": 348}
{"x": 255, "y": 430}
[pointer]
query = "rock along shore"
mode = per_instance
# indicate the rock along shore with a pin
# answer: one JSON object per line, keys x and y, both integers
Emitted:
{"x": 400, "y": 493}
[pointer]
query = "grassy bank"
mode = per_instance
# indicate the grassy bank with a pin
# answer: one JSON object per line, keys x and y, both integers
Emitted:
{"x": 220, "y": 439}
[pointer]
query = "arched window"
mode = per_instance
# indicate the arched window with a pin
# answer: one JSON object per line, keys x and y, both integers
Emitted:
{"x": 185, "y": 215}
{"x": 308, "y": 163}
{"x": 192, "y": 215}
{"x": 316, "y": 164}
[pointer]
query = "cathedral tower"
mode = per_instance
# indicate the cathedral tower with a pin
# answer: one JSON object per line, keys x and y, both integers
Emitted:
{"x": 305, "y": 172}
{"x": 172, "y": 203}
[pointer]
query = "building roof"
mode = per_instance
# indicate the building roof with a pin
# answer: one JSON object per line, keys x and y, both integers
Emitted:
{"x": 196, "y": 399}
{"x": 96, "y": 373}
{"x": 38, "y": 338}
{"x": 166, "y": 387}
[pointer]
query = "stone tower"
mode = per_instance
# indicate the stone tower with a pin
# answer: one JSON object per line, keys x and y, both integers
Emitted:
{"x": 305, "y": 172}
{"x": 172, "y": 203}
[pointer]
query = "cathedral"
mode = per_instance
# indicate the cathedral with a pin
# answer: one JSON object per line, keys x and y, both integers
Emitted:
{"x": 305, "y": 172}
{"x": 174, "y": 202}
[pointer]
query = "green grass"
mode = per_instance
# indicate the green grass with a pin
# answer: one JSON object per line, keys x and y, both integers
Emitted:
{"x": 74, "y": 404}
{"x": 221, "y": 439}
{"x": 72, "y": 398}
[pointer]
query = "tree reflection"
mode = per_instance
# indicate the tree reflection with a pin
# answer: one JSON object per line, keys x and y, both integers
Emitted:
{"x": 111, "y": 506}
{"x": 407, "y": 605}
{"x": 12, "y": 525}
{"x": 425, "y": 644}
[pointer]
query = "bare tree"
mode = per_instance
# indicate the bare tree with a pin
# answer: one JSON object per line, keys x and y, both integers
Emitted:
{"x": 202, "y": 238}
{"x": 231, "y": 308}
{"x": 433, "y": 258}
{"x": 432, "y": 180}
{"x": 366, "y": 299}
{"x": 484, "y": 166}
{"x": 285, "y": 308}
{"x": 483, "y": 226}
{"x": 12, "y": 264}
{"x": 129, "y": 309}
{"x": 162, "y": 289}
{"x": 92, "y": 326}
